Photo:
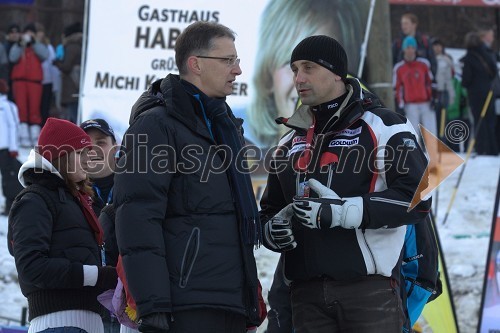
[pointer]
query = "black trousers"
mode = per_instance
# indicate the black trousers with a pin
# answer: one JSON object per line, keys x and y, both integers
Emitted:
{"x": 207, "y": 321}
{"x": 486, "y": 140}
{"x": 9, "y": 167}
{"x": 279, "y": 316}
{"x": 370, "y": 305}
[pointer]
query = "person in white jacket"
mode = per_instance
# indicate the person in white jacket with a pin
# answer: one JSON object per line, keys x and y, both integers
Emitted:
{"x": 444, "y": 78}
{"x": 9, "y": 165}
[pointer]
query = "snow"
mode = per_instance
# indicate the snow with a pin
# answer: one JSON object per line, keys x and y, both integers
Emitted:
{"x": 464, "y": 238}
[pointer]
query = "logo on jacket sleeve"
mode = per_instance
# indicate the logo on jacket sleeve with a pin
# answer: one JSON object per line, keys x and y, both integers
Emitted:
{"x": 410, "y": 143}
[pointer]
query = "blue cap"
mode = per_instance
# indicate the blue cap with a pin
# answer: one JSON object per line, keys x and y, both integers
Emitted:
{"x": 409, "y": 41}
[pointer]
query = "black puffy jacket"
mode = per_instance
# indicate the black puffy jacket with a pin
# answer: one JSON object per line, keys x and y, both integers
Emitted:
{"x": 50, "y": 251}
{"x": 176, "y": 225}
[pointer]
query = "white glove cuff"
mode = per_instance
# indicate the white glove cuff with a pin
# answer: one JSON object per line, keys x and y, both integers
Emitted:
{"x": 352, "y": 213}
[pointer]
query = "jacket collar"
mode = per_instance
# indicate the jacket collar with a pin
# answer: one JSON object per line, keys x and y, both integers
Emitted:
{"x": 188, "y": 109}
{"x": 350, "y": 110}
{"x": 170, "y": 93}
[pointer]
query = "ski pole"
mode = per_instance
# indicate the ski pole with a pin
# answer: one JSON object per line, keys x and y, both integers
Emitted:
{"x": 364, "y": 46}
{"x": 441, "y": 137}
{"x": 469, "y": 151}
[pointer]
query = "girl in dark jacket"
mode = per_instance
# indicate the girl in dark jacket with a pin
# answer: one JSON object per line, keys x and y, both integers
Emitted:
{"x": 55, "y": 237}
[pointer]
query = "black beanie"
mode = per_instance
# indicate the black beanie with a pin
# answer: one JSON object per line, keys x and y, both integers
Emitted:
{"x": 324, "y": 51}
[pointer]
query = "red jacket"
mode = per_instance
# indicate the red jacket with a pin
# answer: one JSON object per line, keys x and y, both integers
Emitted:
{"x": 28, "y": 67}
{"x": 413, "y": 81}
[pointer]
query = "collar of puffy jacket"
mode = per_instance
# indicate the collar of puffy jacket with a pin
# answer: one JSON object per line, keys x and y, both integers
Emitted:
{"x": 351, "y": 109}
{"x": 170, "y": 93}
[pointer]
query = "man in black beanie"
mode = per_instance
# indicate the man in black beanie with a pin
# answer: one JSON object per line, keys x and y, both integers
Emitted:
{"x": 337, "y": 199}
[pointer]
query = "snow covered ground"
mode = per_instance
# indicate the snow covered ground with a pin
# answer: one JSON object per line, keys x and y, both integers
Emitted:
{"x": 464, "y": 239}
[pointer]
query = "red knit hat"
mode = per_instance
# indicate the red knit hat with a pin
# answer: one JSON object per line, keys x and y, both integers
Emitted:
{"x": 59, "y": 137}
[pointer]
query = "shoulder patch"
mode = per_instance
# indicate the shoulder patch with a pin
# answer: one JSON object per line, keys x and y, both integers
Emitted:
{"x": 410, "y": 143}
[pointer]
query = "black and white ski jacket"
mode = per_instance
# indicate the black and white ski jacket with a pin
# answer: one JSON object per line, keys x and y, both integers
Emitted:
{"x": 370, "y": 152}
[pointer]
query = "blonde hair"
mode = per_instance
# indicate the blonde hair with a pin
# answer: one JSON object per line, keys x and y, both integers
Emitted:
{"x": 284, "y": 24}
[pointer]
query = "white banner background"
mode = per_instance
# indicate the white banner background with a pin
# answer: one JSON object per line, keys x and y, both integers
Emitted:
{"x": 120, "y": 65}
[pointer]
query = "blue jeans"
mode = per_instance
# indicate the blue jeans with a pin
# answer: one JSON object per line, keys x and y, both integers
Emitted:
{"x": 64, "y": 330}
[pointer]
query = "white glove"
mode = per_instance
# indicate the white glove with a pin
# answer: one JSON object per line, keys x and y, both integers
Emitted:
{"x": 329, "y": 210}
{"x": 278, "y": 230}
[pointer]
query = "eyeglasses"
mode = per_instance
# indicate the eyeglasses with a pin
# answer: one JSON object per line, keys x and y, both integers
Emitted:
{"x": 230, "y": 61}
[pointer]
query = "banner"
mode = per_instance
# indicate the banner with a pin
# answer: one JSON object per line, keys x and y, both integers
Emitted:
{"x": 439, "y": 315}
{"x": 458, "y": 3}
{"x": 489, "y": 316}
{"x": 131, "y": 44}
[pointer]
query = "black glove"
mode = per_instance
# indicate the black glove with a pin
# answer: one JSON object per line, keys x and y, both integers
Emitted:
{"x": 155, "y": 323}
{"x": 278, "y": 230}
{"x": 107, "y": 278}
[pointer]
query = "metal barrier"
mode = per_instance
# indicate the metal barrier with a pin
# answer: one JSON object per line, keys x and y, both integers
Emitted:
{"x": 8, "y": 321}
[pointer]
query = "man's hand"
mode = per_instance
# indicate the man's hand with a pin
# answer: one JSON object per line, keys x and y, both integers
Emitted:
{"x": 329, "y": 210}
{"x": 278, "y": 230}
{"x": 155, "y": 323}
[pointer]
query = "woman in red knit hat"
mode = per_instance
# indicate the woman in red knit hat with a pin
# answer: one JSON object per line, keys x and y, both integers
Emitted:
{"x": 55, "y": 237}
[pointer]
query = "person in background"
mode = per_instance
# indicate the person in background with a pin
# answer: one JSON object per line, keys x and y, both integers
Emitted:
{"x": 409, "y": 27}
{"x": 59, "y": 258}
{"x": 4, "y": 63}
{"x": 49, "y": 73}
{"x": 101, "y": 169}
{"x": 102, "y": 161}
{"x": 9, "y": 147}
{"x": 327, "y": 194}
{"x": 413, "y": 90}
{"x": 70, "y": 71}
{"x": 27, "y": 74}
{"x": 445, "y": 90}
{"x": 444, "y": 73}
{"x": 479, "y": 73}
{"x": 188, "y": 253}
{"x": 13, "y": 36}
{"x": 58, "y": 79}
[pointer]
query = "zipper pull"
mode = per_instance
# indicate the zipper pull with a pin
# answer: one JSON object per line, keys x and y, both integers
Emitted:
{"x": 103, "y": 254}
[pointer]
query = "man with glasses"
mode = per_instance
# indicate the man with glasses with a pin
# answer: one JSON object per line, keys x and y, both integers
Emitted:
{"x": 186, "y": 216}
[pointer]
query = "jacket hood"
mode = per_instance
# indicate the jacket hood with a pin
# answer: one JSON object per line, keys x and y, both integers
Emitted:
{"x": 148, "y": 99}
{"x": 36, "y": 161}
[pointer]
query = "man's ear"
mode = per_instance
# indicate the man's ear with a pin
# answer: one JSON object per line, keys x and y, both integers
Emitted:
{"x": 194, "y": 65}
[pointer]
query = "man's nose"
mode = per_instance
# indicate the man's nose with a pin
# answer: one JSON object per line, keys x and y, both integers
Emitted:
{"x": 237, "y": 70}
